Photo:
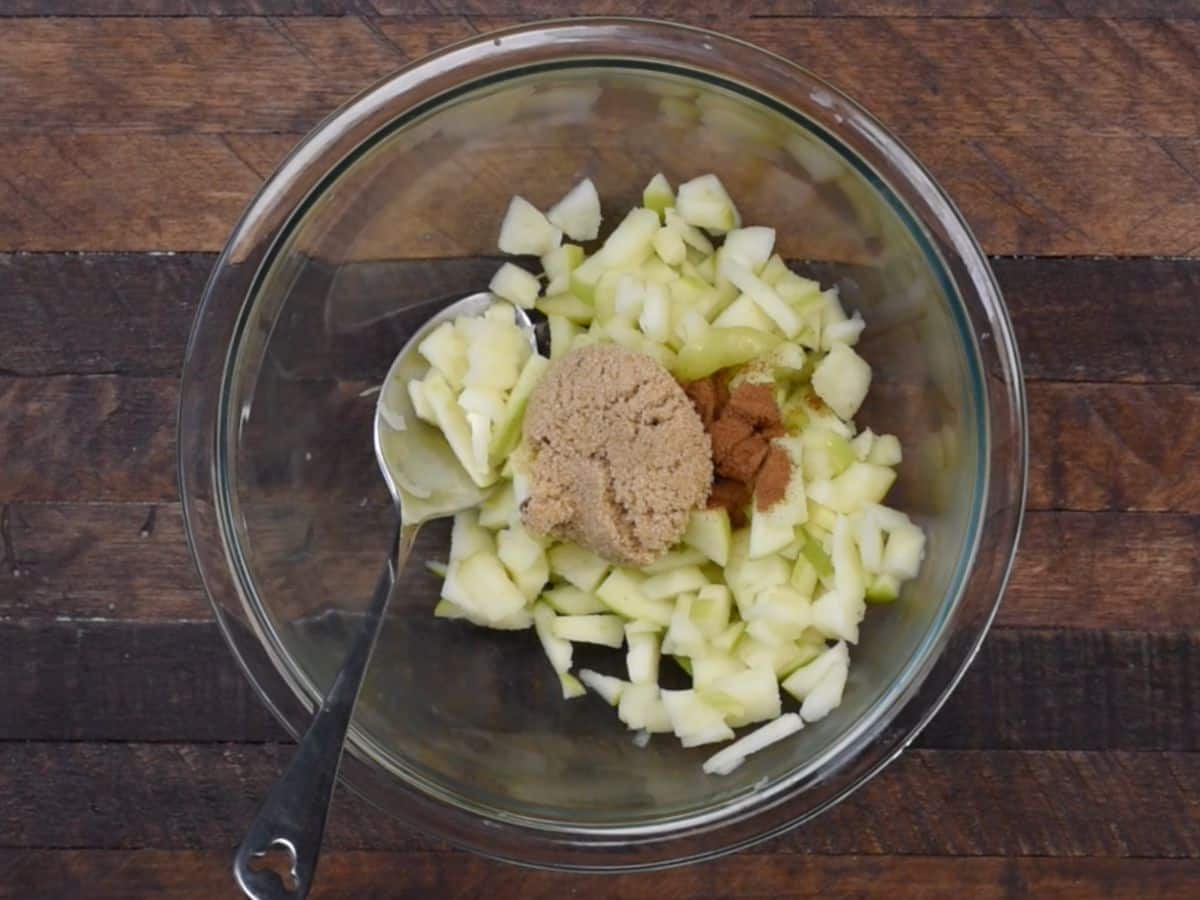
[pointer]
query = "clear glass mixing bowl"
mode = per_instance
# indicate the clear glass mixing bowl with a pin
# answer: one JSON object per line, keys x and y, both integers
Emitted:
{"x": 392, "y": 205}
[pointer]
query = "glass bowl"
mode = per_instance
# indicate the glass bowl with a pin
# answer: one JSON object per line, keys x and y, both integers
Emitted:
{"x": 390, "y": 208}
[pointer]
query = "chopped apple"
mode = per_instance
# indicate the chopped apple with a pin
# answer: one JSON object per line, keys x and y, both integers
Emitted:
{"x": 708, "y": 531}
{"x": 582, "y": 568}
{"x": 657, "y": 194}
{"x": 445, "y": 350}
{"x": 730, "y": 758}
{"x": 578, "y": 213}
{"x": 516, "y": 285}
{"x": 643, "y": 656}
{"x": 704, "y": 203}
{"x": 608, "y": 687}
{"x": 603, "y": 629}
{"x": 842, "y": 380}
{"x": 525, "y": 230}
{"x": 507, "y": 432}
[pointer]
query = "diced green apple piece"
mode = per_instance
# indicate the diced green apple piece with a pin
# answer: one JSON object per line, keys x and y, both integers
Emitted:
{"x": 694, "y": 238}
{"x": 641, "y": 708}
{"x": 743, "y": 312}
{"x": 694, "y": 721}
{"x": 655, "y": 319}
{"x": 452, "y": 421}
{"x": 848, "y": 577}
{"x": 643, "y": 656}
{"x": 886, "y": 451}
{"x": 708, "y": 531}
{"x": 848, "y": 331}
{"x": 658, "y": 195}
{"x": 774, "y": 271}
{"x": 569, "y": 600}
{"x": 420, "y": 403}
{"x": 869, "y": 538}
{"x": 572, "y": 687}
{"x": 558, "y": 650}
{"x": 729, "y": 758}
{"x": 631, "y": 243}
{"x": 669, "y": 246}
{"x": 578, "y": 213}
{"x": 804, "y": 680}
{"x": 582, "y": 568}
{"x": 904, "y": 551}
{"x": 467, "y": 537}
{"x": 842, "y": 380}
{"x": 524, "y": 230}
{"x": 562, "y": 335}
{"x": 883, "y": 589}
{"x": 779, "y": 311}
{"x": 860, "y": 485}
{"x": 608, "y": 687}
{"x": 606, "y": 630}
{"x": 446, "y": 351}
{"x": 712, "y": 667}
{"x": 756, "y": 691}
{"x": 621, "y": 592}
{"x": 567, "y": 305}
{"x": 683, "y": 637}
{"x": 751, "y": 247}
{"x": 711, "y": 609}
{"x": 728, "y": 639}
{"x": 558, "y": 265}
{"x": 720, "y": 348}
{"x": 519, "y": 550}
{"x": 674, "y": 559}
{"x": 837, "y": 616}
{"x": 704, "y": 203}
{"x": 673, "y": 583}
{"x": 516, "y": 285}
{"x": 507, "y": 431}
{"x": 487, "y": 591}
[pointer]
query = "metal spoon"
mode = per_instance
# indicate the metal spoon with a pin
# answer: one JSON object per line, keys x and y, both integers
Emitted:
{"x": 291, "y": 821}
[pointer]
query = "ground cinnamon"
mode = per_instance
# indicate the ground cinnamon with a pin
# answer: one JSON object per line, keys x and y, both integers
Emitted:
{"x": 741, "y": 424}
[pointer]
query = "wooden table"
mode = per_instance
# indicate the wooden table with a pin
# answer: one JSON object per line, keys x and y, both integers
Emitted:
{"x": 132, "y": 751}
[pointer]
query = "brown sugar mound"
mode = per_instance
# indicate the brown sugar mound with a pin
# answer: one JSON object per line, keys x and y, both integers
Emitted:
{"x": 620, "y": 455}
{"x": 741, "y": 425}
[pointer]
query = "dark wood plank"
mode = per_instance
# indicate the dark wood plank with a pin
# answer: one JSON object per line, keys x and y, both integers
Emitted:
{"x": 1095, "y": 447}
{"x": 1114, "y": 447}
{"x": 971, "y": 78}
{"x": 92, "y": 315}
{"x": 1104, "y": 319}
{"x": 104, "y": 681}
{"x": 1038, "y": 164}
{"x": 1029, "y": 689}
{"x": 1129, "y": 319}
{"x": 927, "y": 803}
{"x": 101, "y": 437}
{"x": 1098, "y": 195}
{"x": 1119, "y": 571}
{"x": 420, "y": 875}
{"x": 673, "y": 9}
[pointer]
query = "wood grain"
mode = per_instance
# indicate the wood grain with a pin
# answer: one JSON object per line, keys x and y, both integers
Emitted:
{"x": 995, "y": 107}
{"x": 675, "y": 10}
{"x": 927, "y": 803}
{"x": 1029, "y": 689}
{"x": 102, "y": 192}
{"x": 128, "y": 562}
{"x": 1129, "y": 320}
{"x": 974, "y": 78}
{"x": 1095, "y": 447}
{"x": 421, "y": 875}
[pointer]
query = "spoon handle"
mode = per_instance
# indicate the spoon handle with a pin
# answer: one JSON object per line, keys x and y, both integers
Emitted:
{"x": 291, "y": 820}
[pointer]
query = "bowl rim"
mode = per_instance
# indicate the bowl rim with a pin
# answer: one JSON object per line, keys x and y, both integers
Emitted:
{"x": 244, "y": 261}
